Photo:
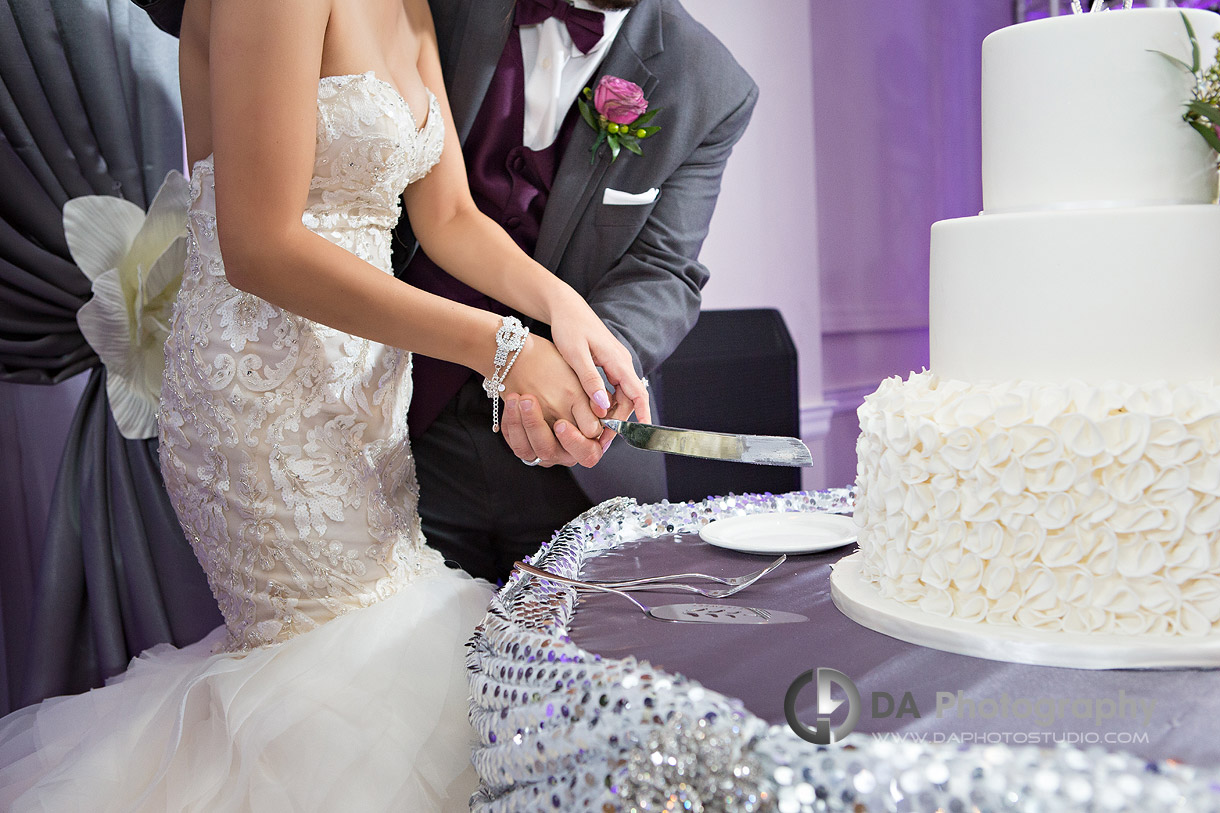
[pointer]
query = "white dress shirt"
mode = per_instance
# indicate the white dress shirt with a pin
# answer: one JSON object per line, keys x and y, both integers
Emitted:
{"x": 556, "y": 71}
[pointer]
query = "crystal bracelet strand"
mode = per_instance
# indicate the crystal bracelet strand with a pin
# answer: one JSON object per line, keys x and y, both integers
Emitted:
{"x": 510, "y": 339}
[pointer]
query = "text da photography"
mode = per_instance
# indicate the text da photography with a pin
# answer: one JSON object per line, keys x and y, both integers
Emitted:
{"x": 840, "y": 704}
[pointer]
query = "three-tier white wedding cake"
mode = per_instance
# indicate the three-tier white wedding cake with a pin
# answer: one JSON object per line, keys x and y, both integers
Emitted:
{"x": 1054, "y": 480}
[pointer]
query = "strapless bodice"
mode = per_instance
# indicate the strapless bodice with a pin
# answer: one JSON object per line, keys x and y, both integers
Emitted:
{"x": 370, "y": 147}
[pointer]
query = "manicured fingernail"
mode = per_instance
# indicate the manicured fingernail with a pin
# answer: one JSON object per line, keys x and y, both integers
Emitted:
{"x": 527, "y": 406}
{"x": 606, "y": 443}
{"x": 511, "y": 403}
{"x": 561, "y": 428}
{"x": 601, "y": 399}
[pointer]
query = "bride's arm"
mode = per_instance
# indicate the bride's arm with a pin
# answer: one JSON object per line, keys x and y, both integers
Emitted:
{"x": 265, "y": 61}
{"x": 470, "y": 246}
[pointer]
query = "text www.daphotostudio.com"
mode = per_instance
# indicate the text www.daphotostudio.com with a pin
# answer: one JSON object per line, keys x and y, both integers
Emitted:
{"x": 1046, "y": 720}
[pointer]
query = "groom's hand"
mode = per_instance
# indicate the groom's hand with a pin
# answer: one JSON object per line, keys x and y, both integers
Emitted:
{"x": 530, "y": 436}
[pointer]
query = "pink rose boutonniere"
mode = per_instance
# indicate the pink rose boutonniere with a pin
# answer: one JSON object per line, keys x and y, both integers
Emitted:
{"x": 619, "y": 114}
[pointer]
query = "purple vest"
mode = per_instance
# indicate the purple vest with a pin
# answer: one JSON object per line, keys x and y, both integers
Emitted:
{"x": 510, "y": 184}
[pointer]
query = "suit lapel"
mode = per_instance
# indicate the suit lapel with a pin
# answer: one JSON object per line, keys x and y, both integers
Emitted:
{"x": 576, "y": 179}
{"x": 477, "y": 44}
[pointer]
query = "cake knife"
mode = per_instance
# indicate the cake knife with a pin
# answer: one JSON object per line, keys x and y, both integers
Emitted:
{"x": 769, "y": 450}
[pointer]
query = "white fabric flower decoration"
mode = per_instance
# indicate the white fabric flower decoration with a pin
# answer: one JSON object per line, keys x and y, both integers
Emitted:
{"x": 135, "y": 262}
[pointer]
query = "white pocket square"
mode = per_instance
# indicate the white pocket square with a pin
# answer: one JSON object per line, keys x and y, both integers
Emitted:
{"x": 615, "y": 197}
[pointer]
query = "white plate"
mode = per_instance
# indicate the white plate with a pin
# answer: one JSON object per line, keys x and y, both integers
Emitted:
{"x": 781, "y": 533}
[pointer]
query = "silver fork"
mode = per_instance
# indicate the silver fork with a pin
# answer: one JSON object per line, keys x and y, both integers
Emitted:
{"x": 714, "y": 613}
{"x": 724, "y": 592}
{"x": 729, "y": 581}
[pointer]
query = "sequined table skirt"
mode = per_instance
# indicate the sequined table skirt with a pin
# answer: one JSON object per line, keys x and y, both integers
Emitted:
{"x": 600, "y": 708}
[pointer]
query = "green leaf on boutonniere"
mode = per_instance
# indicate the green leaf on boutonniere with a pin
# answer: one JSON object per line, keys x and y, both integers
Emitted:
{"x": 586, "y": 113}
{"x": 613, "y": 141}
{"x": 650, "y": 130}
{"x": 644, "y": 119}
{"x": 633, "y": 145}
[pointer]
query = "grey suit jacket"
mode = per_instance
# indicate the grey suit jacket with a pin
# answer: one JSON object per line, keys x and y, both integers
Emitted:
{"x": 636, "y": 265}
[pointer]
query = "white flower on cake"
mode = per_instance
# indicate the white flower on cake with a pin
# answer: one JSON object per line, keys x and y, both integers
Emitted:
{"x": 986, "y": 541}
{"x": 1098, "y": 511}
{"x": 135, "y": 262}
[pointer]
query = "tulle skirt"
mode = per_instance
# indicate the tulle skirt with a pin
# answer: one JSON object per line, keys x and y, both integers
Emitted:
{"x": 366, "y": 713}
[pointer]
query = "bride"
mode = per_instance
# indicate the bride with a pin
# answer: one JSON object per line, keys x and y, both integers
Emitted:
{"x": 338, "y": 680}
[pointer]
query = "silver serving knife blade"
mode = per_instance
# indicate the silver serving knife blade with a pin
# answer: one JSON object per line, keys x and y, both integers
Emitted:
{"x": 763, "y": 449}
{"x": 723, "y": 614}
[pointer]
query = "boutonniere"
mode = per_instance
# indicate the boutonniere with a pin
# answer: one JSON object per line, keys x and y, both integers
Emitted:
{"x": 619, "y": 115}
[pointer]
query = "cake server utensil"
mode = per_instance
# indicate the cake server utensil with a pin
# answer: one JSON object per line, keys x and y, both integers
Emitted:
{"x": 623, "y": 587}
{"x": 723, "y": 614}
{"x": 768, "y": 450}
{"x": 700, "y": 612}
{"x": 728, "y": 581}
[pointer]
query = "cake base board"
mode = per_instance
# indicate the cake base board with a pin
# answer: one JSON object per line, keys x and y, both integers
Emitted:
{"x": 860, "y": 601}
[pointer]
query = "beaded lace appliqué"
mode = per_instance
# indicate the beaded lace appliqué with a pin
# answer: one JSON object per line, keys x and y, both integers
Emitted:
{"x": 284, "y": 442}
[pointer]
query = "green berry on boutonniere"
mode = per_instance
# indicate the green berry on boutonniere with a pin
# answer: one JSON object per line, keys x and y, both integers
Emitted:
{"x": 619, "y": 115}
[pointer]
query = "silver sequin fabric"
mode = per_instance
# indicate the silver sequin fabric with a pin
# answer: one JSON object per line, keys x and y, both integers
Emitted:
{"x": 563, "y": 729}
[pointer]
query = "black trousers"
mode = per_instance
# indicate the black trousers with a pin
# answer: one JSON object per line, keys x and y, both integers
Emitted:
{"x": 481, "y": 507}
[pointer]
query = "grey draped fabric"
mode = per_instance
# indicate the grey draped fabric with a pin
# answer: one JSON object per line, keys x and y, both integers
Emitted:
{"x": 167, "y": 14}
{"x": 88, "y": 106}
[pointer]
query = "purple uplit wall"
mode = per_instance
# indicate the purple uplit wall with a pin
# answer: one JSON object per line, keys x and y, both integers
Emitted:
{"x": 763, "y": 246}
{"x": 897, "y": 98}
{"x": 866, "y": 132}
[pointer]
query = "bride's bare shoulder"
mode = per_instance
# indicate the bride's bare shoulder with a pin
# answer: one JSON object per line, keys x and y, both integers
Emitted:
{"x": 193, "y": 41}
{"x": 419, "y": 14}
{"x": 249, "y": 76}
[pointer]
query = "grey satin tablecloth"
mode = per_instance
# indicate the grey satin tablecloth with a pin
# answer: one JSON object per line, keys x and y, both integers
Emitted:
{"x": 1161, "y": 714}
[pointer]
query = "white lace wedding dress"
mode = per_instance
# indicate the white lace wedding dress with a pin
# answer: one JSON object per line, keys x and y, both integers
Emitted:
{"x": 338, "y": 680}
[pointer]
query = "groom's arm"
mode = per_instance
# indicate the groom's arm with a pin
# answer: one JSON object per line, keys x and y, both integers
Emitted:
{"x": 650, "y": 297}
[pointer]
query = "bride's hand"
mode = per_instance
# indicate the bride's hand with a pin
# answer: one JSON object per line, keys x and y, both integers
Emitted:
{"x": 586, "y": 344}
{"x": 542, "y": 371}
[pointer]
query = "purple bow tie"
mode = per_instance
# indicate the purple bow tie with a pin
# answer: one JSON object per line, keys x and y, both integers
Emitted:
{"x": 584, "y": 26}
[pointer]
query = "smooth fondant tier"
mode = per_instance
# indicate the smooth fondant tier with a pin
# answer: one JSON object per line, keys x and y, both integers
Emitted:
{"x": 1079, "y": 110}
{"x": 1099, "y": 295}
{"x": 1065, "y": 508}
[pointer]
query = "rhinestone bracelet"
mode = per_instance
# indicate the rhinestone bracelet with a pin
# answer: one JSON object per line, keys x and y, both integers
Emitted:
{"x": 510, "y": 339}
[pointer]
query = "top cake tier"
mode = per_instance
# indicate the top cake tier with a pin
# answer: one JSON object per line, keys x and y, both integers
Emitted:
{"x": 1079, "y": 111}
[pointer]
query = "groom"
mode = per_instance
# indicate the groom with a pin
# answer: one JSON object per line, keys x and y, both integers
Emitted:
{"x": 624, "y": 233}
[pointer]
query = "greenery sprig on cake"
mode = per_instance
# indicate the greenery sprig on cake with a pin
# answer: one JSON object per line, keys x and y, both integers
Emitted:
{"x": 1203, "y": 109}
